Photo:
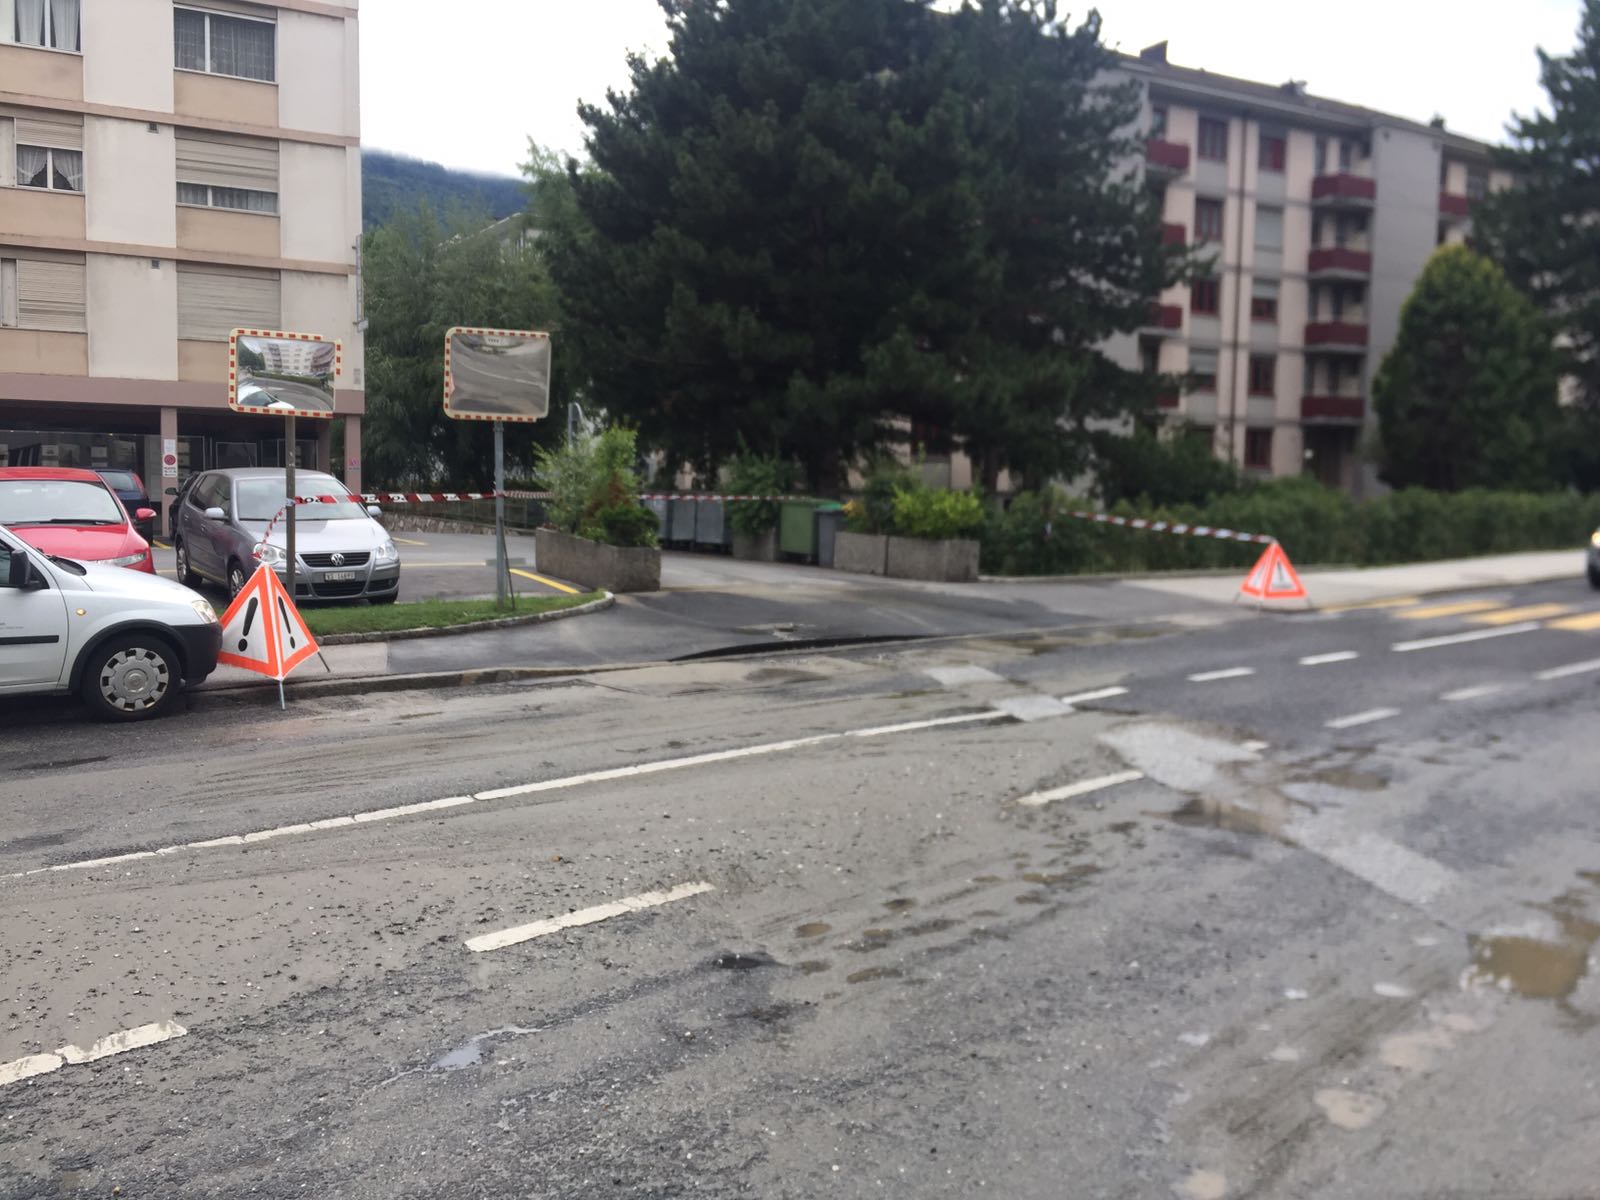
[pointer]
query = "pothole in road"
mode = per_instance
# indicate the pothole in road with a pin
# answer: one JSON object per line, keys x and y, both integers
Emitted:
{"x": 470, "y": 1052}
{"x": 1542, "y": 968}
{"x": 731, "y": 961}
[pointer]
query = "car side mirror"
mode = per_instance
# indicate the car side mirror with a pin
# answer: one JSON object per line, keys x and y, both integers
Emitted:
{"x": 144, "y": 514}
{"x": 21, "y": 574}
{"x": 170, "y": 492}
{"x": 374, "y": 511}
{"x": 215, "y": 514}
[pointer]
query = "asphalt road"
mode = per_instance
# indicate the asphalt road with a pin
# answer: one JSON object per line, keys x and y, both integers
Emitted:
{"x": 1270, "y": 906}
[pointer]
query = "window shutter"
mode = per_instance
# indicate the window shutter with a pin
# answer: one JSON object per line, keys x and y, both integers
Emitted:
{"x": 50, "y": 131}
{"x": 228, "y": 162}
{"x": 50, "y": 295}
{"x": 214, "y": 301}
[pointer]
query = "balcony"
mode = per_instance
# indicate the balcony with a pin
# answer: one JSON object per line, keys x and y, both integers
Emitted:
{"x": 1454, "y": 208}
{"x": 1336, "y": 336}
{"x": 1339, "y": 262}
{"x": 1167, "y": 400}
{"x": 1174, "y": 234}
{"x": 1344, "y": 191}
{"x": 1165, "y": 317}
{"x": 1165, "y": 160}
{"x": 1333, "y": 410}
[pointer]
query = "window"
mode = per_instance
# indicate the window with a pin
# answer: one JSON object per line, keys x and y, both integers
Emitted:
{"x": 1207, "y": 220}
{"x": 1477, "y": 183}
{"x": 1322, "y": 156}
{"x": 1263, "y": 374}
{"x": 1258, "y": 449}
{"x": 1264, "y": 301}
{"x": 1269, "y": 229}
{"x": 1273, "y": 151}
{"x": 219, "y": 170}
{"x": 50, "y": 501}
{"x": 1158, "y": 121}
{"x": 1150, "y": 357}
{"x": 214, "y": 301}
{"x": 50, "y": 23}
{"x": 1204, "y": 297}
{"x": 50, "y": 168}
{"x": 45, "y": 293}
{"x": 1213, "y": 139}
{"x": 224, "y": 45}
{"x": 1203, "y": 370}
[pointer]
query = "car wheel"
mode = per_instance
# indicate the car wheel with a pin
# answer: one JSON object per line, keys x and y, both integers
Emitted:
{"x": 131, "y": 678}
{"x": 389, "y": 599}
{"x": 186, "y": 575}
{"x": 236, "y": 578}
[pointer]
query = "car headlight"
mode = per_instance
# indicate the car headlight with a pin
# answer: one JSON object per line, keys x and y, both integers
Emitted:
{"x": 1594, "y": 538}
{"x": 203, "y": 610}
{"x": 273, "y": 556}
{"x": 127, "y": 560}
{"x": 387, "y": 553}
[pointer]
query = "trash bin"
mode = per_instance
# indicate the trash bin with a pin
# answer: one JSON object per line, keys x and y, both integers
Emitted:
{"x": 680, "y": 521}
{"x": 711, "y": 524}
{"x": 830, "y": 520}
{"x": 659, "y": 507}
{"x": 797, "y": 528}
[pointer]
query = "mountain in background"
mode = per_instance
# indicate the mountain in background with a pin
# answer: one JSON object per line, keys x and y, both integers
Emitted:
{"x": 391, "y": 183}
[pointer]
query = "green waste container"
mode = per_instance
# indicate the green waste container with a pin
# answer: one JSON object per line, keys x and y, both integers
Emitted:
{"x": 797, "y": 528}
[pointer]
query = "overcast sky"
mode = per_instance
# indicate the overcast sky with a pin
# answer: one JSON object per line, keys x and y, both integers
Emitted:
{"x": 469, "y": 92}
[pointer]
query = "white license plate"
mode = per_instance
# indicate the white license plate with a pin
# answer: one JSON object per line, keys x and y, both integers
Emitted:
{"x": 340, "y": 576}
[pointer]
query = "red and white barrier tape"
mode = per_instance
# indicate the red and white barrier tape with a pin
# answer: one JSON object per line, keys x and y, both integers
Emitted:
{"x": 1178, "y": 527}
{"x": 712, "y": 496}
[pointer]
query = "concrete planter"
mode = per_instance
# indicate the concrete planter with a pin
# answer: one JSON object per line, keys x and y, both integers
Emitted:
{"x": 954, "y": 560}
{"x": 598, "y": 566}
{"x": 861, "y": 553}
{"x": 756, "y": 547}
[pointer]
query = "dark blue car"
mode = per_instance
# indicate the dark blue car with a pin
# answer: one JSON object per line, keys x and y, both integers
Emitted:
{"x": 130, "y": 490}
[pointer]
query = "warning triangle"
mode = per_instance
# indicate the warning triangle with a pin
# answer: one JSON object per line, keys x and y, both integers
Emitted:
{"x": 263, "y": 631}
{"x": 1273, "y": 577}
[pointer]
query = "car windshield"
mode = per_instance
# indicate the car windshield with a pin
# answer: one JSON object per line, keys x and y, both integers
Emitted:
{"x": 57, "y": 502}
{"x": 261, "y": 499}
{"x": 121, "y": 480}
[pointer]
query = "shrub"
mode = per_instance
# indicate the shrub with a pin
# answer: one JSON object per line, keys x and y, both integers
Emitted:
{"x": 757, "y": 475}
{"x": 873, "y": 510}
{"x": 925, "y": 513}
{"x": 594, "y": 489}
{"x": 627, "y": 525}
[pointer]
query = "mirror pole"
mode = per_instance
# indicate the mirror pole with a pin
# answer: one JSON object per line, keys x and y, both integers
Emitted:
{"x": 289, "y": 494}
{"x": 502, "y": 569}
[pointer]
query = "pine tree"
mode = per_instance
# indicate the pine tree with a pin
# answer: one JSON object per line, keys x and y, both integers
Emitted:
{"x": 1467, "y": 397}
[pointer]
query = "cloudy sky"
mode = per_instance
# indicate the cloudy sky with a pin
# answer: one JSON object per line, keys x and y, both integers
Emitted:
{"x": 470, "y": 91}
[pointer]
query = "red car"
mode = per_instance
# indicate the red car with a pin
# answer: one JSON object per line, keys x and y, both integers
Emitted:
{"x": 72, "y": 514}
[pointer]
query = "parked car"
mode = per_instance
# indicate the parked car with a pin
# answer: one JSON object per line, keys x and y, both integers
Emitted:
{"x": 130, "y": 490}
{"x": 61, "y": 510}
{"x": 177, "y": 494}
{"x": 127, "y": 643}
{"x": 341, "y": 551}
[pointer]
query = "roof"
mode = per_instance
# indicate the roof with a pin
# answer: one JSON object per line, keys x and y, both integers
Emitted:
{"x": 73, "y": 474}
{"x": 1287, "y": 100}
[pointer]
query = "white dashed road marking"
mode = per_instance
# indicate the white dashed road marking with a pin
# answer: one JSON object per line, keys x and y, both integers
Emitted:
{"x": 961, "y": 676}
{"x": 1320, "y": 660}
{"x": 117, "y": 1043}
{"x": 1081, "y": 788}
{"x": 1456, "y": 639}
{"x": 1033, "y": 708}
{"x": 1105, "y": 693}
{"x": 1363, "y": 718}
{"x": 584, "y": 916}
{"x": 1214, "y": 676}
{"x": 1471, "y": 693}
{"x": 1582, "y": 668}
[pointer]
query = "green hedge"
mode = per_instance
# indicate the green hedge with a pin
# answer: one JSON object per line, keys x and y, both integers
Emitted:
{"x": 1315, "y": 524}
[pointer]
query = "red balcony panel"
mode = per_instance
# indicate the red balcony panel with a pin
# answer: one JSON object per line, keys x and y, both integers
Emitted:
{"x": 1454, "y": 206}
{"x": 1166, "y": 316}
{"x": 1167, "y": 156}
{"x": 1335, "y": 333}
{"x": 1174, "y": 235}
{"x": 1167, "y": 400}
{"x": 1338, "y": 258}
{"x": 1332, "y": 408}
{"x": 1344, "y": 187}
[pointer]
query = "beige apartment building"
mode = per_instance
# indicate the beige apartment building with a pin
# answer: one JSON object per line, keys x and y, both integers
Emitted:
{"x": 1319, "y": 216}
{"x": 170, "y": 172}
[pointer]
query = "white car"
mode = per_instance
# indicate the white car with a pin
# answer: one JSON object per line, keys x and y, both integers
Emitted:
{"x": 126, "y": 641}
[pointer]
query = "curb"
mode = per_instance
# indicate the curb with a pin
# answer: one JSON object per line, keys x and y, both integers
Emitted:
{"x": 407, "y": 635}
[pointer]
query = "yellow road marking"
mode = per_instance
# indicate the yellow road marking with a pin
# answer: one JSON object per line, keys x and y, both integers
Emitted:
{"x": 405, "y": 541}
{"x": 1510, "y": 616}
{"x": 1582, "y": 623}
{"x": 1458, "y": 609}
{"x": 161, "y": 546}
{"x": 560, "y": 587}
{"x": 1357, "y": 606}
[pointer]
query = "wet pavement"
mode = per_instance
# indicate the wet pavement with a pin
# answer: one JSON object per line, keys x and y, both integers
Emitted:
{"x": 872, "y": 921}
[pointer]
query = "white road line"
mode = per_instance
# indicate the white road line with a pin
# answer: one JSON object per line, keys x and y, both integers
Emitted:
{"x": 1105, "y": 693}
{"x": 584, "y": 916}
{"x": 961, "y": 676}
{"x": 1081, "y": 788}
{"x": 1363, "y": 718}
{"x": 1214, "y": 676}
{"x": 1387, "y": 865}
{"x": 1320, "y": 660}
{"x": 27, "y": 1068}
{"x": 1456, "y": 639}
{"x": 1582, "y": 668}
{"x": 116, "y": 1043}
{"x": 545, "y": 785}
{"x": 1471, "y": 693}
{"x": 1033, "y": 708}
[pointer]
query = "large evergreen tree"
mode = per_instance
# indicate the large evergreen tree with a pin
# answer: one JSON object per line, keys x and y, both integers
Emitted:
{"x": 823, "y": 215}
{"x": 1467, "y": 396}
{"x": 1545, "y": 231}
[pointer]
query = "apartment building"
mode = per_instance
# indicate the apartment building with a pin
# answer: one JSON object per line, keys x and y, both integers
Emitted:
{"x": 1318, "y": 217}
{"x": 170, "y": 172}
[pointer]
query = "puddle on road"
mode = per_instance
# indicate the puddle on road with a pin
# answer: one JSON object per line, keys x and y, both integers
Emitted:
{"x": 899, "y": 904}
{"x": 871, "y": 973}
{"x": 815, "y": 966}
{"x": 986, "y": 879}
{"x": 813, "y": 929}
{"x": 1203, "y": 812}
{"x": 1346, "y": 778}
{"x": 470, "y": 1052}
{"x": 1536, "y": 968}
{"x": 730, "y": 961}
{"x": 1032, "y": 898}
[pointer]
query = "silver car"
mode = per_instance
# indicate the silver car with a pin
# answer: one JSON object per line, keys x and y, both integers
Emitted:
{"x": 341, "y": 552}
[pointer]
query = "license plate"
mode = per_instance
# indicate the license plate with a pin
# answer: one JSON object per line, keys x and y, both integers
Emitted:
{"x": 340, "y": 576}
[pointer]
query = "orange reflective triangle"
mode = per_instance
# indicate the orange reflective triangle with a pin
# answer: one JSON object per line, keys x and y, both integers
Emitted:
{"x": 291, "y": 635}
{"x": 1273, "y": 577}
{"x": 248, "y": 640}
